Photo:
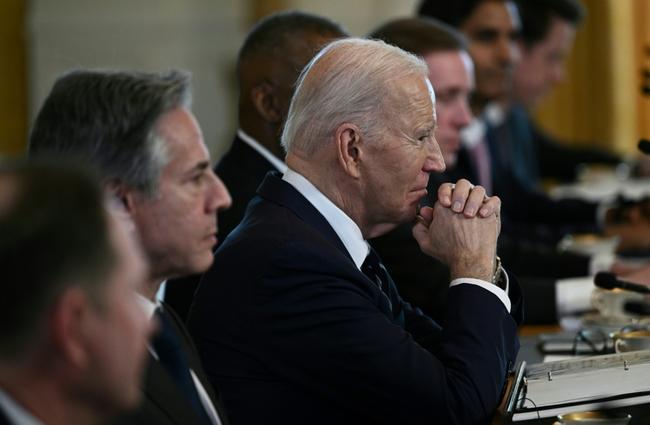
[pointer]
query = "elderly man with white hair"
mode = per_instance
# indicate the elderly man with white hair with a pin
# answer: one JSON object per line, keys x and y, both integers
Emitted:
{"x": 299, "y": 322}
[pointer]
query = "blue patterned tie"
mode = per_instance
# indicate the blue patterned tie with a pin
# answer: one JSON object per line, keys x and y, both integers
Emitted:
{"x": 373, "y": 268}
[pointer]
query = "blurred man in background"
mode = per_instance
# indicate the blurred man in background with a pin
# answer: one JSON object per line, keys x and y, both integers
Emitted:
{"x": 548, "y": 29}
{"x": 73, "y": 335}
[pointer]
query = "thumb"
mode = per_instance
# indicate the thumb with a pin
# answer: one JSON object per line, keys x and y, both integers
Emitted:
{"x": 425, "y": 215}
{"x": 420, "y": 232}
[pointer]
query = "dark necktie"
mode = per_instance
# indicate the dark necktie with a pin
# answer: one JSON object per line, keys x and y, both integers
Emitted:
{"x": 172, "y": 357}
{"x": 373, "y": 268}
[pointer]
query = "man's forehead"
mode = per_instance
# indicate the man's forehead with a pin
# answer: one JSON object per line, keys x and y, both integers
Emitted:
{"x": 487, "y": 16}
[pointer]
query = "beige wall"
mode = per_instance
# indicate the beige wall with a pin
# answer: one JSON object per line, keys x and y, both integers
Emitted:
{"x": 202, "y": 36}
{"x": 601, "y": 100}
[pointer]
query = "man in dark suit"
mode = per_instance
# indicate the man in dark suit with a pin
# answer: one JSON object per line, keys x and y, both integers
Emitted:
{"x": 548, "y": 28}
{"x": 137, "y": 130}
{"x": 275, "y": 51}
{"x": 72, "y": 335}
{"x": 316, "y": 331}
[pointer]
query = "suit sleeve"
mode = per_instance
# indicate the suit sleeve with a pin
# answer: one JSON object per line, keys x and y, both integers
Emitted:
{"x": 345, "y": 348}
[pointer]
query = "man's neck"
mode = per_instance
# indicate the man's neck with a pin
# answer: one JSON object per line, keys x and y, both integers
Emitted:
{"x": 335, "y": 188}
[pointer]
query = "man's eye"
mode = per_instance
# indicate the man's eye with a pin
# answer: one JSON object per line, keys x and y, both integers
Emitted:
{"x": 485, "y": 36}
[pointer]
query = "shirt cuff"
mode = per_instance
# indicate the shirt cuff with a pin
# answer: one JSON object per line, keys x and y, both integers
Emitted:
{"x": 501, "y": 294}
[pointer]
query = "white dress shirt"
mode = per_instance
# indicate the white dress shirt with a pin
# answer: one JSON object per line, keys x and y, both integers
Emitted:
{"x": 350, "y": 234}
{"x": 150, "y": 309}
{"x": 16, "y": 413}
{"x": 274, "y": 160}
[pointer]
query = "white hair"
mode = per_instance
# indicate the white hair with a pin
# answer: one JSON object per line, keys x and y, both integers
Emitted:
{"x": 350, "y": 80}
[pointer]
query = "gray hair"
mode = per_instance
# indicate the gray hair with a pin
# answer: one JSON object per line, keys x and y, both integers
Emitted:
{"x": 108, "y": 119}
{"x": 348, "y": 81}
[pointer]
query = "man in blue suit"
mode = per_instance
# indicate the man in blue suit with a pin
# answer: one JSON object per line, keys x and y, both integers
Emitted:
{"x": 299, "y": 322}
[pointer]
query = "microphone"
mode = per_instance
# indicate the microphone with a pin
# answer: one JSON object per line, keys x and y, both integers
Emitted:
{"x": 644, "y": 146}
{"x": 608, "y": 280}
{"x": 637, "y": 307}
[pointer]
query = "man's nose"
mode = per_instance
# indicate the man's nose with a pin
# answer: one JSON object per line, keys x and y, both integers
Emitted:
{"x": 435, "y": 162}
{"x": 220, "y": 197}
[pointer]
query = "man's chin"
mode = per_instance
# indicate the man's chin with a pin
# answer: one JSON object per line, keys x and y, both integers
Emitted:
{"x": 199, "y": 265}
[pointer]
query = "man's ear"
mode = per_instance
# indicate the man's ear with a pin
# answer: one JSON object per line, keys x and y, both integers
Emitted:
{"x": 123, "y": 195}
{"x": 265, "y": 100}
{"x": 68, "y": 326}
{"x": 350, "y": 147}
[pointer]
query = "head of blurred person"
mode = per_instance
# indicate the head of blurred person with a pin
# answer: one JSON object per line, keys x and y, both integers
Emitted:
{"x": 137, "y": 130}
{"x": 548, "y": 28}
{"x": 275, "y": 51}
{"x": 451, "y": 73}
{"x": 361, "y": 129}
{"x": 492, "y": 28}
{"x": 73, "y": 336}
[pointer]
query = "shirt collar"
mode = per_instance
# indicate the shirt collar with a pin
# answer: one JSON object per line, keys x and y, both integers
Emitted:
{"x": 148, "y": 305}
{"x": 345, "y": 228}
{"x": 473, "y": 133}
{"x": 274, "y": 160}
{"x": 16, "y": 413}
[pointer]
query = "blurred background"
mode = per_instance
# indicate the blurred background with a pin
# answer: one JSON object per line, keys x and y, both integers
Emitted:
{"x": 605, "y": 98}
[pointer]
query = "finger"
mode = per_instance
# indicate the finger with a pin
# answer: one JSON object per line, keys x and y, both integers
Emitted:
{"x": 444, "y": 194}
{"x": 491, "y": 205}
{"x": 460, "y": 194}
{"x": 421, "y": 234}
{"x": 474, "y": 201}
{"x": 425, "y": 215}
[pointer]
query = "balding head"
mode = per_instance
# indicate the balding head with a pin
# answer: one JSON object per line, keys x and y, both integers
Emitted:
{"x": 351, "y": 80}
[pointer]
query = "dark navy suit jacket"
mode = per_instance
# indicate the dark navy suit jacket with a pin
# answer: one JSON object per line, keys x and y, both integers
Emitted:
{"x": 292, "y": 332}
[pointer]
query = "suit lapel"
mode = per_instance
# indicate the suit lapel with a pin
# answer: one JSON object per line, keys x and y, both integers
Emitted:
{"x": 161, "y": 391}
{"x": 195, "y": 362}
{"x": 3, "y": 418}
{"x": 276, "y": 190}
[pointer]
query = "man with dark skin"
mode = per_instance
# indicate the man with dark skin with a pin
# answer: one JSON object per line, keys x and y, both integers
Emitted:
{"x": 268, "y": 64}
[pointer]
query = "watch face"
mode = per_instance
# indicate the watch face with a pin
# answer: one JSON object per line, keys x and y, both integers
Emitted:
{"x": 498, "y": 277}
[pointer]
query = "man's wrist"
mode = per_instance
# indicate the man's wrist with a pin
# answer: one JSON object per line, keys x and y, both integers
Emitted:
{"x": 482, "y": 269}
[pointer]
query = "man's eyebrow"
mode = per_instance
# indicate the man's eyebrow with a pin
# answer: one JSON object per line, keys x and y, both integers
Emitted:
{"x": 201, "y": 166}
